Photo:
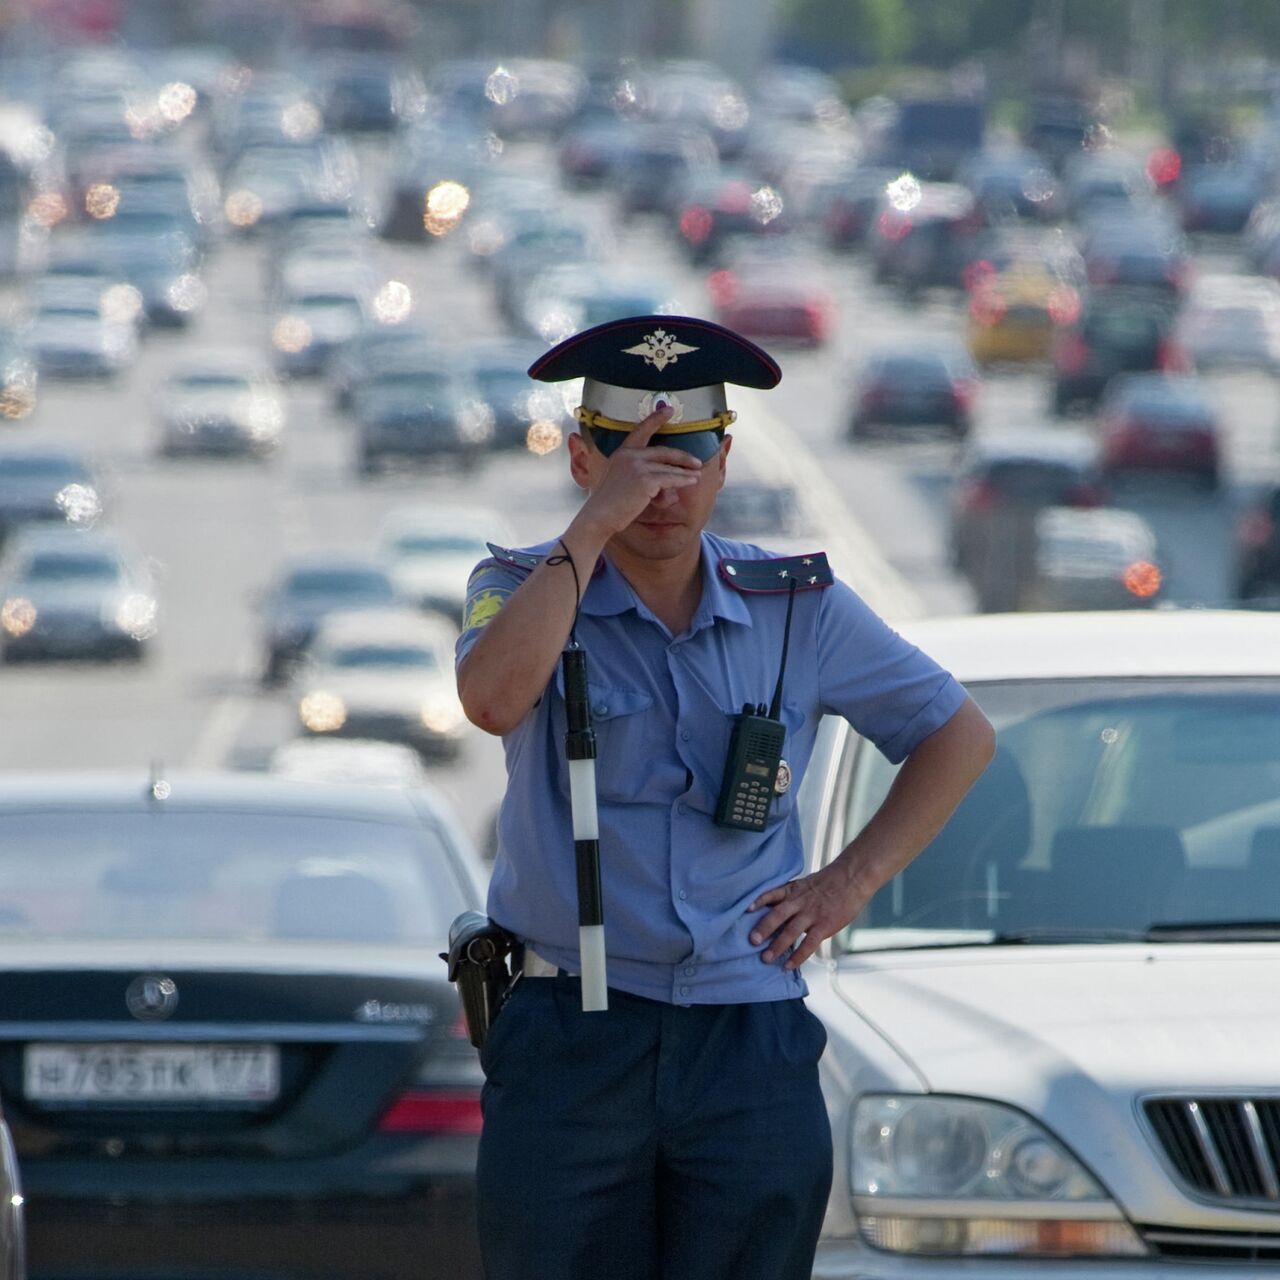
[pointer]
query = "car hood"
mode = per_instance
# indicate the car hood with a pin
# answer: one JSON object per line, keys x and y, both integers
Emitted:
{"x": 393, "y": 691}
{"x": 1017, "y": 1022}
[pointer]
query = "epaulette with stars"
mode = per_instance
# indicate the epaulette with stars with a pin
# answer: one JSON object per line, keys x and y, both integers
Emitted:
{"x": 809, "y": 573}
{"x": 517, "y": 559}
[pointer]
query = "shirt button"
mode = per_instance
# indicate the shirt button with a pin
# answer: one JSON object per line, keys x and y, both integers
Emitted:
{"x": 602, "y": 708}
{"x": 689, "y": 971}
{"x": 685, "y": 735}
{"x": 683, "y": 895}
{"x": 684, "y": 991}
{"x": 682, "y": 807}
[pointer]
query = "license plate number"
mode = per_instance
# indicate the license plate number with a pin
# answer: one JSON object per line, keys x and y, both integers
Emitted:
{"x": 75, "y": 1074}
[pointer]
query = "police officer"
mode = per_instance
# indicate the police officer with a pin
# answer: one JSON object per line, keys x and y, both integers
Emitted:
{"x": 681, "y": 1134}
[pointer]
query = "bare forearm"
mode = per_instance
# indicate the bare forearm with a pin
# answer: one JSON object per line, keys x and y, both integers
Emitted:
{"x": 511, "y": 663}
{"x": 931, "y": 783}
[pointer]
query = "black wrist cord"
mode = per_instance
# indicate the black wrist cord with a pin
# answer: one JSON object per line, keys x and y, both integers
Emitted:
{"x": 577, "y": 589}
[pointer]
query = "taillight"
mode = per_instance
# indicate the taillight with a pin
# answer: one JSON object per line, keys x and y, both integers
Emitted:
{"x": 964, "y": 392}
{"x": 433, "y": 1111}
{"x": 894, "y": 225}
{"x": 1142, "y": 579}
{"x": 722, "y": 286}
{"x": 980, "y": 497}
{"x": 696, "y": 223}
{"x": 817, "y": 316}
{"x": 1256, "y": 528}
{"x": 987, "y": 308}
{"x": 1163, "y": 166}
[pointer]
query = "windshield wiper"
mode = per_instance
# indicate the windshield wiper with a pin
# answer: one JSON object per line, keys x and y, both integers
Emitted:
{"x": 1216, "y": 931}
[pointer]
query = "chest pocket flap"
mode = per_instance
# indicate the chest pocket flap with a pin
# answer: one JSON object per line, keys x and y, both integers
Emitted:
{"x": 608, "y": 702}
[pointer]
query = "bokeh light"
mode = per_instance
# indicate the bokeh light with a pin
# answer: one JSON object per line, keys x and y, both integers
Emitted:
{"x": 17, "y": 616}
{"x": 444, "y": 206}
{"x": 766, "y": 205}
{"x": 500, "y": 86}
{"x": 121, "y": 303}
{"x": 301, "y": 121}
{"x": 904, "y": 192}
{"x": 47, "y": 209}
{"x": 80, "y": 504}
{"x": 291, "y": 334}
{"x": 322, "y": 712}
{"x": 393, "y": 303}
{"x": 1142, "y": 579}
{"x": 101, "y": 201}
{"x": 176, "y": 101}
{"x": 543, "y": 437}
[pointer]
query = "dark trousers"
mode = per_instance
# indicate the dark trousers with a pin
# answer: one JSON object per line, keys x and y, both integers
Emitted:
{"x": 651, "y": 1142}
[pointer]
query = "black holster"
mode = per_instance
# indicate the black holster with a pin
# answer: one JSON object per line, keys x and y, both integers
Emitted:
{"x": 477, "y": 960}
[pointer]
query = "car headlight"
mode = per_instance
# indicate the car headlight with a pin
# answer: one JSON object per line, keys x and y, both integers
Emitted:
{"x": 322, "y": 712}
{"x": 939, "y": 1175}
{"x": 292, "y": 335}
{"x": 442, "y": 714}
{"x": 17, "y": 616}
{"x": 186, "y": 292}
{"x": 135, "y": 615}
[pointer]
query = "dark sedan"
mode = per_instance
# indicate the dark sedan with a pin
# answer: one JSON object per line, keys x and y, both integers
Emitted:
{"x": 227, "y": 1046}
{"x": 1156, "y": 423}
{"x": 419, "y": 414}
{"x": 915, "y": 387}
{"x": 306, "y": 591}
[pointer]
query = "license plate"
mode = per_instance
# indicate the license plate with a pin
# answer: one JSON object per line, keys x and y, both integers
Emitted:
{"x": 79, "y": 1074}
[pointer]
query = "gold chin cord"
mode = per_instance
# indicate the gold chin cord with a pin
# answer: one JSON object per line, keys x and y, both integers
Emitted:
{"x": 591, "y": 418}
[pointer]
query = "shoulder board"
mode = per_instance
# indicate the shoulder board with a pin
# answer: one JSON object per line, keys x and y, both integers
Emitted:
{"x": 807, "y": 572}
{"x": 519, "y": 559}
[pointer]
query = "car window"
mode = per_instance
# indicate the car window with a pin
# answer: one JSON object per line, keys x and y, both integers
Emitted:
{"x": 232, "y": 877}
{"x": 430, "y": 544}
{"x": 60, "y": 567}
{"x": 355, "y": 657}
{"x": 1042, "y": 481}
{"x": 353, "y": 582}
{"x": 1110, "y": 806}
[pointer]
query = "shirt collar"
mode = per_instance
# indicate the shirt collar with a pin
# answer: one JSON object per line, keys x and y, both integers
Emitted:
{"x": 610, "y": 593}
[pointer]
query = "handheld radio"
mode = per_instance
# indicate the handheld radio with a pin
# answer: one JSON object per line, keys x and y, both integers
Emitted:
{"x": 755, "y": 752}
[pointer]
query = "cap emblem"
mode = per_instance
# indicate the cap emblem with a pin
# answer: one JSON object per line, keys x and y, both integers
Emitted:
{"x": 656, "y": 400}
{"x": 659, "y": 349}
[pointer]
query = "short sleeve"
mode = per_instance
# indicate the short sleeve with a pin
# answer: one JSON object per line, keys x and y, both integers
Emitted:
{"x": 890, "y": 692}
{"x": 488, "y": 588}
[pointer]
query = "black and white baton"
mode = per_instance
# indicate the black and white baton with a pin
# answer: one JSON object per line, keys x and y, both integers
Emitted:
{"x": 580, "y": 747}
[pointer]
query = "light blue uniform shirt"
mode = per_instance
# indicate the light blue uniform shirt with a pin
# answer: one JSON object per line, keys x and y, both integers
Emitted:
{"x": 676, "y": 886}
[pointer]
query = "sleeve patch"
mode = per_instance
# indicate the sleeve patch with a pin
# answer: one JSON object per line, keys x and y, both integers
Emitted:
{"x": 483, "y": 607}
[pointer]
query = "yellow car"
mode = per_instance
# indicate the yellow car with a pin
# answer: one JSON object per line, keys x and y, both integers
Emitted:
{"x": 1012, "y": 318}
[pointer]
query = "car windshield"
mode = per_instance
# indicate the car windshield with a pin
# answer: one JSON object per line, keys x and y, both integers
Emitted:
{"x": 227, "y": 877}
{"x": 1111, "y": 807}
{"x": 54, "y": 469}
{"x": 350, "y": 582}
{"x": 48, "y": 566}
{"x": 404, "y": 656}
{"x": 434, "y": 544}
{"x": 210, "y": 382}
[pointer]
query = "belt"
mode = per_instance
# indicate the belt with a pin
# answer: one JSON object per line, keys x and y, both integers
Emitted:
{"x": 535, "y": 966}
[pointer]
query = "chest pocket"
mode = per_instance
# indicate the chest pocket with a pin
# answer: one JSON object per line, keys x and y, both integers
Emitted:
{"x": 625, "y": 737}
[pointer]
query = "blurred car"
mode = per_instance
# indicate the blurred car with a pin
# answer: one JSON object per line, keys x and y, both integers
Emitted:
{"x": 525, "y": 414}
{"x": 850, "y": 209}
{"x": 588, "y": 150}
{"x": 722, "y": 209}
{"x": 779, "y": 300}
{"x": 759, "y": 511}
{"x": 1102, "y": 558}
{"x": 1155, "y": 422}
{"x": 1257, "y": 551}
{"x": 926, "y": 234}
{"x": 1119, "y": 854}
{"x": 1013, "y": 315}
{"x": 310, "y": 326}
{"x": 385, "y": 674}
{"x": 562, "y": 300}
{"x": 1011, "y": 183}
{"x": 74, "y": 593}
{"x": 1218, "y": 197}
{"x": 431, "y": 551}
{"x": 307, "y": 590}
{"x": 362, "y": 762}
{"x": 419, "y": 414}
{"x": 1058, "y": 127}
{"x": 219, "y": 403}
{"x": 375, "y": 348}
{"x": 46, "y": 482}
{"x": 1231, "y": 328}
{"x": 657, "y": 164}
{"x": 930, "y": 137}
{"x": 86, "y": 345}
{"x": 1001, "y": 484}
{"x": 915, "y": 386}
{"x": 1096, "y": 182}
{"x": 1123, "y": 255}
{"x": 369, "y": 93}
{"x": 1114, "y": 333}
{"x": 233, "y": 981}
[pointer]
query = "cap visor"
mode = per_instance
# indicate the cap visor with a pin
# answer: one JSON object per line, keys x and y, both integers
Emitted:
{"x": 704, "y": 445}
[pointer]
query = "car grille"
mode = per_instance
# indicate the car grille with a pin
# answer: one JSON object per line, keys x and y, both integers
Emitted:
{"x": 1212, "y": 1246}
{"x": 1222, "y": 1147}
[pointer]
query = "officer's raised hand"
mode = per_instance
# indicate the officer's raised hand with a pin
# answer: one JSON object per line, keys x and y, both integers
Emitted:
{"x": 624, "y": 484}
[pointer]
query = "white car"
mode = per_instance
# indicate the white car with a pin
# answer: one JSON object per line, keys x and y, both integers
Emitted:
{"x": 1092, "y": 558}
{"x": 1054, "y": 1039}
{"x": 430, "y": 552}
{"x": 385, "y": 674}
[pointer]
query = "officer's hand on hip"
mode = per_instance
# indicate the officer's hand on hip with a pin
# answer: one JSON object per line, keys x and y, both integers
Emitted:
{"x": 635, "y": 475}
{"x": 812, "y": 908}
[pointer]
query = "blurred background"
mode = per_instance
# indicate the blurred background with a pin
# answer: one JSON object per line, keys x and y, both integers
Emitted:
{"x": 271, "y": 272}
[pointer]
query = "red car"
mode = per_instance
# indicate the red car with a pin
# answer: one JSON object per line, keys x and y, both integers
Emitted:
{"x": 1160, "y": 422}
{"x": 775, "y": 304}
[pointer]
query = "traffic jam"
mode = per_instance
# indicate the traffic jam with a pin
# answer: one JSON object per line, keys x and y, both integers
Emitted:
{"x": 271, "y": 279}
